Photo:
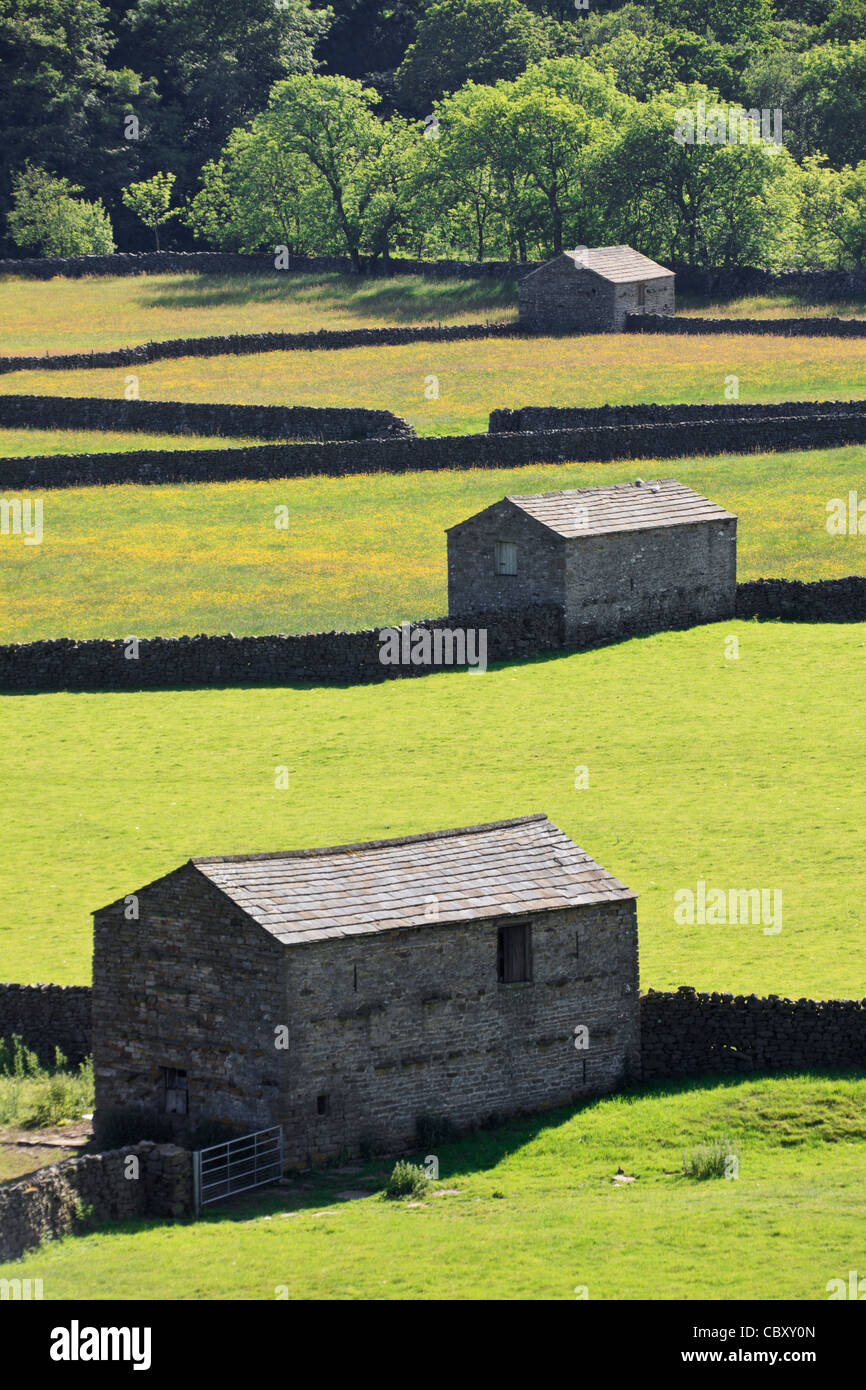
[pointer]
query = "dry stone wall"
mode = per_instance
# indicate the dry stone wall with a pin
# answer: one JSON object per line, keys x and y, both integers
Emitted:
{"x": 685, "y": 1033}
{"x": 323, "y": 658}
{"x": 408, "y": 454}
{"x": 46, "y": 1017}
{"x": 200, "y": 417}
{"x": 824, "y": 327}
{"x": 325, "y": 339}
{"x": 231, "y": 263}
{"x": 531, "y": 418}
{"x": 98, "y": 1187}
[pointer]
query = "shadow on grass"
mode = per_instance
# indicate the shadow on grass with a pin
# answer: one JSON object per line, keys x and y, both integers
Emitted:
{"x": 401, "y": 298}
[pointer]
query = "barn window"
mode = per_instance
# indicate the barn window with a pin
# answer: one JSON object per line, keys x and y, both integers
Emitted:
{"x": 506, "y": 557}
{"x": 323, "y": 1105}
{"x": 641, "y": 295}
{"x": 175, "y": 1091}
{"x": 514, "y": 954}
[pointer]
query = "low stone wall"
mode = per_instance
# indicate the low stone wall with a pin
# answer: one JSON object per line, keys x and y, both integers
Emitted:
{"x": 46, "y": 1017}
{"x": 733, "y": 282}
{"x": 602, "y": 443}
{"x": 200, "y": 417}
{"x": 804, "y": 601}
{"x": 552, "y": 417}
{"x": 690, "y": 1034}
{"x": 824, "y": 327}
{"x": 353, "y": 658}
{"x": 324, "y": 658}
{"x": 229, "y": 263}
{"x": 326, "y": 339}
{"x": 72, "y": 1195}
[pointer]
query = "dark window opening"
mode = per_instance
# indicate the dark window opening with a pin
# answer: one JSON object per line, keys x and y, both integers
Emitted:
{"x": 355, "y": 977}
{"x": 175, "y": 1091}
{"x": 577, "y": 944}
{"x": 641, "y": 296}
{"x": 323, "y": 1105}
{"x": 514, "y": 954}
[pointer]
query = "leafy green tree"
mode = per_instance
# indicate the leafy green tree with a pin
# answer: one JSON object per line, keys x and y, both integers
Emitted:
{"x": 150, "y": 200}
{"x": 460, "y": 41}
{"x": 833, "y": 215}
{"x": 61, "y": 105}
{"x": 47, "y": 216}
{"x": 641, "y": 66}
{"x": 831, "y": 91}
{"x": 728, "y": 21}
{"x": 214, "y": 62}
{"x": 705, "y": 204}
{"x": 846, "y": 21}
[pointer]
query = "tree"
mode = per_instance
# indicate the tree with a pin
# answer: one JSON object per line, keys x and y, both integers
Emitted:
{"x": 462, "y": 41}
{"x": 704, "y": 203}
{"x": 215, "y": 62}
{"x": 47, "y": 216}
{"x": 831, "y": 89}
{"x": 150, "y": 200}
{"x": 728, "y": 21}
{"x": 318, "y": 166}
{"x": 61, "y": 106}
{"x": 833, "y": 215}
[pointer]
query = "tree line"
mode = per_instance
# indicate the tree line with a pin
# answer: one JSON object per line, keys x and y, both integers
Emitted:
{"x": 501, "y": 130}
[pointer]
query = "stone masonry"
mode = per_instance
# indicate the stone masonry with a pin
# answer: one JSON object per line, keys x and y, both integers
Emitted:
{"x": 593, "y": 290}
{"x": 347, "y": 993}
{"x": 621, "y": 559}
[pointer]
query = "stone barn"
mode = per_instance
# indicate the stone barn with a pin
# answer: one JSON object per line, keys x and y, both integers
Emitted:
{"x": 592, "y": 289}
{"x": 618, "y": 559}
{"x": 347, "y": 992}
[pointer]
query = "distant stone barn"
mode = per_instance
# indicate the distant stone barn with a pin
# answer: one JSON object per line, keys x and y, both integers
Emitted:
{"x": 618, "y": 559}
{"x": 592, "y": 289}
{"x": 347, "y": 992}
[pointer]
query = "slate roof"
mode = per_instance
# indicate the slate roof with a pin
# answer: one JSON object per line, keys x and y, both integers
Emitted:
{"x": 620, "y": 264}
{"x": 595, "y": 511}
{"x": 525, "y": 865}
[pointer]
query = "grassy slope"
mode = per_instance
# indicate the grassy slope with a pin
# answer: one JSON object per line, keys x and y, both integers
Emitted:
{"x": 766, "y": 306}
{"x": 479, "y": 376}
{"x": 360, "y": 550}
{"x": 118, "y": 311}
{"x": 536, "y": 1214}
{"x": 27, "y": 443}
{"x": 742, "y": 772}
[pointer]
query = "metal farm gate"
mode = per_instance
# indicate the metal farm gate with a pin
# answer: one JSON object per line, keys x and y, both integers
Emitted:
{"x": 220, "y": 1171}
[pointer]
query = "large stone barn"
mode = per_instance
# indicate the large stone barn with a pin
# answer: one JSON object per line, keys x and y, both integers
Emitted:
{"x": 347, "y": 993}
{"x": 592, "y": 289}
{"x": 620, "y": 558}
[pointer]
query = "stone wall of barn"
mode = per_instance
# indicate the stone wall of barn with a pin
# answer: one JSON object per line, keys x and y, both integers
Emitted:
{"x": 641, "y": 297}
{"x": 46, "y": 1017}
{"x": 473, "y": 583}
{"x": 395, "y": 1027}
{"x": 649, "y": 580}
{"x": 559, "y": 298}
{"x": 187, "y": 984}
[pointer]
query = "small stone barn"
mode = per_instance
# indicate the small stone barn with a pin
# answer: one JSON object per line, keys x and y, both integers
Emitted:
{"x": 347, "y": 992}
{"x": 618, "y": 559}
{"x": 592, "y": 289}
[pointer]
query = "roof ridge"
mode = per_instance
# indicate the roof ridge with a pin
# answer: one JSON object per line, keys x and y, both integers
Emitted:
{"x": 368, "y": 844}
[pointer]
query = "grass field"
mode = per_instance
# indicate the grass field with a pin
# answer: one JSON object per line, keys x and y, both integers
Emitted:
{"x": 766, "y": 306}
{"x": 531, "y": 1211}
{"x": 104, "y": 312}
{"x": 742, "y": 772}
{"x": 359, "y": 550}
{"x": 26, "y": 443}
{"x": 476, "y": 377}
{"x": 119, "y": 311}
